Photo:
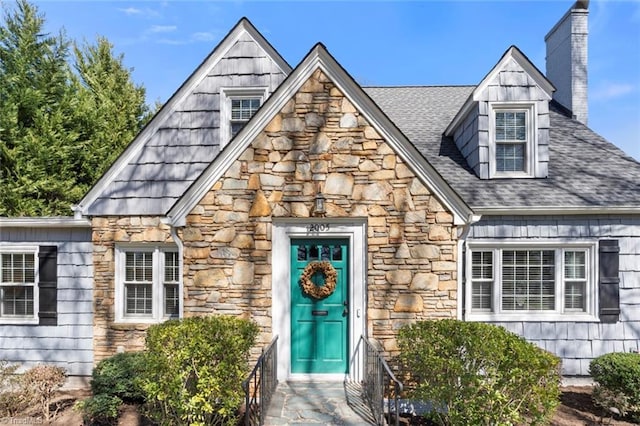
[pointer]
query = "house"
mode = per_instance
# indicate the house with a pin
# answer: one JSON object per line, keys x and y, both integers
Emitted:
{"x": 492, "y": 202}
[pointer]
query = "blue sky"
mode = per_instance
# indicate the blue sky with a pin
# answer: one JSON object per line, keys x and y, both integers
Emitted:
{"x": 378, "y": 43}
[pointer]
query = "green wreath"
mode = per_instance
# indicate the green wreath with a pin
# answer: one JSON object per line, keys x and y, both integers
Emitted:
{"x": 330, "y": 277}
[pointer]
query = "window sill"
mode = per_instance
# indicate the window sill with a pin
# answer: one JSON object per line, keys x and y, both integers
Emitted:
{"x": 19, "y": 321}
{"x": 532, "y": 317}
{"x": 133, "y": 322}
{"x": 511, "y": 175}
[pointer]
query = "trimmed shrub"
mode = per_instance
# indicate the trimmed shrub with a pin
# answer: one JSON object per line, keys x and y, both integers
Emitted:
{"x": 41, "y": 383}
{"x": 617, "y": 377}
{"x": 478, "y": 374}
{"x": 195, "y": 368}
{"x": 100, "y": 410}
{"x": 120, "y": 375}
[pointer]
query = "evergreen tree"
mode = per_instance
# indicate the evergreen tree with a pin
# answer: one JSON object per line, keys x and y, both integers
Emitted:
{"x": 112, "y": 108}
{"x": 61, "y": 125}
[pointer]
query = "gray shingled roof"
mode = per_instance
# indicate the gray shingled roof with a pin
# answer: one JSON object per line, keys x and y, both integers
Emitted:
{"x": 584, "y": 169}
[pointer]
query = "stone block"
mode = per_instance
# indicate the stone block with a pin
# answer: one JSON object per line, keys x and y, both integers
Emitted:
{"x": 234, "y": 184}
{"x": 371, "y": 133}
{"x": 402, "y": 171}
{"x": 299, "y": 210}
{"x": 408, "y": 303}
{"x": 399, "y": 276}
{"x": 192, "y": 234}
{"x": 284, "y": 167}
{"x": 197, "y": 252}
{"x": 275, "y": 125}
{"x": 312, "y": 119}
{"x": 377, "y": 314}
{"x": 243, "y": 273}
{"x": 377, "y": 191}
{"x": 425, "y": 251}
{"x": 347, "y": 106}
{"x": 441, "y": 266}
{"x": 439, "y": 233}
{"x": 211, "y": 278}
{"x": 424, "y": 281}
{"x": 368, "y": 166}
{"x": 417, "y": 188}
{"x": 348, "y": 121}
{"x": 345, "y": 160}
{"x": 282, "y": 143}
{"x": 338, "y": 184}
{"x": 444, "y": 217}
{"x": 243, "y": 241}
{"x": 225, "y": 235}
{"x": 293, "y": 124}
{"x": 415, "y": 217}
{"x": 402, "y": 252}
{"x": 402, "y": 200}
{"x": 271, "y": 180}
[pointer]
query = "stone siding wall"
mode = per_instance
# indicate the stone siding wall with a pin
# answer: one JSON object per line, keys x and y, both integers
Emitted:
{"x": 107, "y": 232}
{"x": 320, "y": 142}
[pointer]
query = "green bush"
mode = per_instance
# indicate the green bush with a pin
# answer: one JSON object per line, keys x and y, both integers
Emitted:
{"x": 120, "y": 375}
{"x": 478, "y": 374}
{"x": 617, "y": 377}
{"x": 100, "y": 410}
{"x": 195, "y": 368}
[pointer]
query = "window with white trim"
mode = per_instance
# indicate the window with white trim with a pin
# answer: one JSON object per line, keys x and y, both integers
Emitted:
{"x": 18, "y": 285}
{"x": 242, "y": 109}
{"x": 237, "y": 106}
{"x": 531, "y": 282}
{"x": 148, "y": 283}
{"x": 512, "y": 133}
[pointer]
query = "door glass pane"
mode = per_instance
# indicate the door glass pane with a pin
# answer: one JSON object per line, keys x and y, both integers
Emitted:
{"x": 337, "y": 253}
{"x": 313, "y": 253}
{"x": 302, "y": 253}
{"x": 326, "y": 253}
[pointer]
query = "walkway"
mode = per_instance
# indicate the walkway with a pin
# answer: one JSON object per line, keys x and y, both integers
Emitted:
{"x": 303, "y": 403}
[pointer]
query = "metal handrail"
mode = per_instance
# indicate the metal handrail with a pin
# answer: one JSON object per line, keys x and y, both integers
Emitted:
{"x": 260, "y": 385}
{"x": 380, "y": 382}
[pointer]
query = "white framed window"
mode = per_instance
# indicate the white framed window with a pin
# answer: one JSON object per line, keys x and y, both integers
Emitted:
{"x": 237, "y": 106}
{"x": 147, "y": 283}
{"x": 512, "y": 134}
{"x": 19, "y": 285}
{"x": 531, "y": 281}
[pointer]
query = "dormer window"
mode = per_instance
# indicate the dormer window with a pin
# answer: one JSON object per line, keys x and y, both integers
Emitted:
{"x": 512, "y": 135}
{"x": 242, "y": 109}
{"x": 237, "y": 106}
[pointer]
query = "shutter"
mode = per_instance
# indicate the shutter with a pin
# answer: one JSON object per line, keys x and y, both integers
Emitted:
{"x": 609, "y": 288}
{"x": 48, "y": 285}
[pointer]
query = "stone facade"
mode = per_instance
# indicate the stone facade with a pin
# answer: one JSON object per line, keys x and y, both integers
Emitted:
{"x": 318, "y": 142}
{"x": 108, "y": 337}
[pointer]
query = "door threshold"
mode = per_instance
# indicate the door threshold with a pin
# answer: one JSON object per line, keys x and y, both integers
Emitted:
{"x": 334, "y": 378}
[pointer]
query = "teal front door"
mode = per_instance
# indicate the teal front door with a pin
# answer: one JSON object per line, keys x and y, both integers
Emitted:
{"x": 319, "y": 324}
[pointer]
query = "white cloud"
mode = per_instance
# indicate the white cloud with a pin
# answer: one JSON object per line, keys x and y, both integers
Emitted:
{"x": 130, "y": 11}
{"x": 134, "y": 11}
{"x": 610, "y": 90}
{"x": 204, "y": 36}
{"x": 162, "y": 29}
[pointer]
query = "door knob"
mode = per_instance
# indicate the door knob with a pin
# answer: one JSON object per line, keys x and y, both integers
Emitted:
{"x": 345, "y": 311}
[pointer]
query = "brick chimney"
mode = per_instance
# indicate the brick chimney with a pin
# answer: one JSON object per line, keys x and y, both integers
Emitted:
{"x": 567, "y": 60}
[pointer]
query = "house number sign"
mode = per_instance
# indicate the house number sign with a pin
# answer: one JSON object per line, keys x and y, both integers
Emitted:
{"x": 318, "y": 227}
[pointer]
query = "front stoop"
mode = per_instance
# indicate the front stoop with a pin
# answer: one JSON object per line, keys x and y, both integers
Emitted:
{"x": 313, "y": 403}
